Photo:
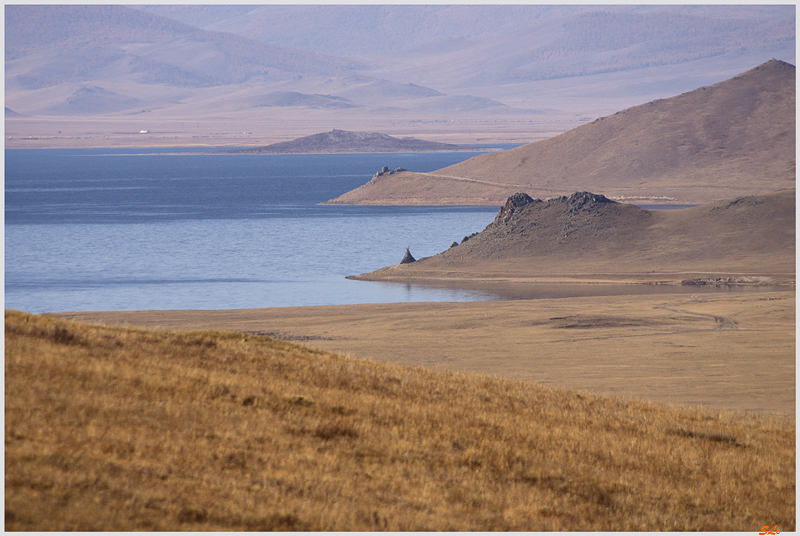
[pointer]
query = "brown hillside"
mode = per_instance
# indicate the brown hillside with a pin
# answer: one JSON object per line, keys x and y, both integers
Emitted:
{"x": 587, "y": 235}
{"x": 730, "y": 139}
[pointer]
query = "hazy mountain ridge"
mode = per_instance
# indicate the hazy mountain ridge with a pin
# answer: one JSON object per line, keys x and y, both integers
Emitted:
{"x": 62, "y": 45}
{"x": 577, "y": 39}
{"x": 85, "y": 40}
{"x": 93, "y": 99}
{"x": 400, "y": 67}
{"x": 293, "y": 98}
{"x": 31, "y": 28}
{"x": 586, "y": 45}
{"x": 643, "y": 40}
{"x": 379, "y": 29}
{"x": 357, "y": 30}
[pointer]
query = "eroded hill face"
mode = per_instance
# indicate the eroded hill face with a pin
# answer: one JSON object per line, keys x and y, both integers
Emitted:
{"x": 586, "y": 234}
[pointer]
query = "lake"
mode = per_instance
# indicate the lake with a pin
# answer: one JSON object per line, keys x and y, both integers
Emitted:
{"x": 101, "y": 229}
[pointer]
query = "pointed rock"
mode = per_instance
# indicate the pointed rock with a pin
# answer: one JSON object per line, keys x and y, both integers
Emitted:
{"x": 408, "y": 258}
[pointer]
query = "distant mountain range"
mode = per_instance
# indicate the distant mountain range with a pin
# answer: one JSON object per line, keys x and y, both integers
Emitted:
{"x": 737, "y": 137}
{"x": 548, "y": 30}
{"x": 436, "y": 62}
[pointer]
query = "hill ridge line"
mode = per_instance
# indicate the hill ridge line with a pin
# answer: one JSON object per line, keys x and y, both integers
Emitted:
{"x": 693, "y": 148}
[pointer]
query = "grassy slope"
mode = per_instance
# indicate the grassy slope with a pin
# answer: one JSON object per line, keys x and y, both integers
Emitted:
{"x": 119, "y": 429}
{"x": 729, "y": 139}
{"x": 726, "y": 350}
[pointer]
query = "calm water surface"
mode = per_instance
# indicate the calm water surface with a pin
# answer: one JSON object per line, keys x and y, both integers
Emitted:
{"x": 138, "y": 229}
{"x": 111, "y": 230}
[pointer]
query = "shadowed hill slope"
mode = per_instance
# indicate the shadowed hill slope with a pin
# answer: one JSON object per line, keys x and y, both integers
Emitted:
{"x": 729, "y": 139}
{"x": 748, "y": 239}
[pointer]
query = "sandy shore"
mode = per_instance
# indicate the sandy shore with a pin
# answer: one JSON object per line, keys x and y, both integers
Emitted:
{"x": 731, "y": 351}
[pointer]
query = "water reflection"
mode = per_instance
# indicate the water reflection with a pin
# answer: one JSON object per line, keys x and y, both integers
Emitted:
{"x": 498, "y": 291}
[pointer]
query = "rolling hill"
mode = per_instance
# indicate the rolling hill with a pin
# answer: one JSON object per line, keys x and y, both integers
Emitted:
{"x": 586, "y": 236}
{"x": 121, "y": 429}
{"x": 106, "y": 42}
{"x": 733, "y": 138}
{"x": 65, "y": 47}
{"x": 343, "y": 141}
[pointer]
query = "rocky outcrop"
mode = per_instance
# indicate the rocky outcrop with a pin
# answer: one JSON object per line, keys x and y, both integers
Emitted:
{"x": 582, "y": 219}
{"x": 513, "y": 205}
{"x": 408, "y": 258}
{"x": 573, "y": 204}
{"x": 385, "y": 171}
{"x": 578, "y": 200}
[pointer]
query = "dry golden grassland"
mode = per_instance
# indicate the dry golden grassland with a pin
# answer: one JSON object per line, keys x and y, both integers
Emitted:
{"x": 111, "y": 428}
{"x": 725, "y": 350}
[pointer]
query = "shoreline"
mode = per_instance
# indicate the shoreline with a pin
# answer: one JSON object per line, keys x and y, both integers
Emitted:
{"x": 688, "y": 279}
{"x": 235, "y": 152}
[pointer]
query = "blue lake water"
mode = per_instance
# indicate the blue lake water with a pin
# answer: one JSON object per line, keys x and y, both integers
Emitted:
{"x": 90, "y": 230}
{"x": 138, "y": 229}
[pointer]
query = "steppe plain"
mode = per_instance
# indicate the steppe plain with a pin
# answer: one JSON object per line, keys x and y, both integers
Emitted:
{"x": 728, "y": 351}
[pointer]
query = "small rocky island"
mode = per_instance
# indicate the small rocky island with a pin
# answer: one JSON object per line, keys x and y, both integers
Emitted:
{"x": 344, "y": 141}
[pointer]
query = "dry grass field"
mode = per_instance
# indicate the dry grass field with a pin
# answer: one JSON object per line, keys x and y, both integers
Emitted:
{"x": 113, "y": 428}
{"x": 721, "y": 350}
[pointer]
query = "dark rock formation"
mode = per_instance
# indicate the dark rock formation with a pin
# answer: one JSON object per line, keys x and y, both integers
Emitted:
{"x": 468, "y": 237}
{"x": 512, "y": 206}
{"x": 581, "y": 200}
{"x": 408, "y": 258}
{"x": 385, "y": 171}
{"x": 543, "y": 225}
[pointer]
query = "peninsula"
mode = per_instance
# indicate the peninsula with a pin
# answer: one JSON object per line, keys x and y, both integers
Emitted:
{"x": 588, "y": 237}
{"x": 735, "y": 138}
